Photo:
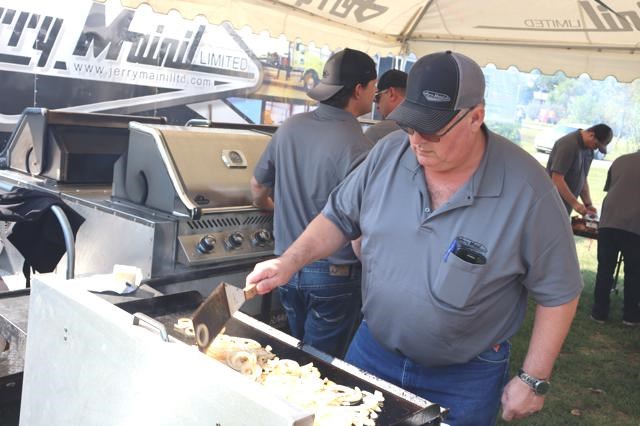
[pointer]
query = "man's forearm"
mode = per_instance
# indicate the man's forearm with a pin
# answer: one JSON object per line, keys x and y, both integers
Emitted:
{"x": 585, "y": 195}
{"x": 563, "y": 189}
{"x": 261, "y": 195}
{"x": 550, "y": 328}
{"x": 319, "y": 240}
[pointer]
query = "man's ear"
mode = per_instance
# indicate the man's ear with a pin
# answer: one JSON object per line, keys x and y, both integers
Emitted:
{"x": 477, "y": 117}
{"x": 357, "y": 92}
{"x": 393, "y": 93}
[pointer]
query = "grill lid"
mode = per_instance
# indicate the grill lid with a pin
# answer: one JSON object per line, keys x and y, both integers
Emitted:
{"x": 69, "y": 147}
{"x": 188, "y": 170}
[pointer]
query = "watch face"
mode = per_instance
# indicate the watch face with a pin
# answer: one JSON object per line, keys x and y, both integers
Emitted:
{"x": 542, "y": 387}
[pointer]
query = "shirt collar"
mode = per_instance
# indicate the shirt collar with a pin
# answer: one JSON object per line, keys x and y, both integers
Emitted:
{"x": 581, "y": 143}
{"x": 487, "y": 181}
{"x": 329, "y": 112}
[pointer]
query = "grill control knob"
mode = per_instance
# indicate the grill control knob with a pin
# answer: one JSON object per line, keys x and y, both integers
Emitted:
{"x": 262, "y": 237}
{"x": 235, "y": 240}
{"x": 206, "y": 244}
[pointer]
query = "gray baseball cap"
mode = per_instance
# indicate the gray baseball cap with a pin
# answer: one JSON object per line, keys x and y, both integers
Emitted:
{"x": 439, "y": 86}
{"x": 345, "y": 68}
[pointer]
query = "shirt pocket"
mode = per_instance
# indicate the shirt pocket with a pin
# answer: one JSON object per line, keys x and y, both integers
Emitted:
{"x": 456, "y": 280}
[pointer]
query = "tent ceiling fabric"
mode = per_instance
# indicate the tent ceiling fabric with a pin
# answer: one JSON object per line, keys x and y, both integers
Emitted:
{"x": 573, "y": 36}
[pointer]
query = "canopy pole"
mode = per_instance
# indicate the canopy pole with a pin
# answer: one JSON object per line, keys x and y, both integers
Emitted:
{"x": 404, "y": 45}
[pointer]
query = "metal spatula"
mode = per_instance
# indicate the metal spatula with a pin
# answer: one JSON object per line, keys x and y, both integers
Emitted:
{"x": 212, "y": 315}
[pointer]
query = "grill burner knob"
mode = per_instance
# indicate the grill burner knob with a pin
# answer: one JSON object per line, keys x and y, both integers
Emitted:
{"x": 206, "y": 244}
{"x": 235, "y": 240}
{"x": 262, "y": 237}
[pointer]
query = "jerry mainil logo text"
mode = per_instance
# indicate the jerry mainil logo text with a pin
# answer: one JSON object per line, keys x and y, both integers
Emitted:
{"x": 110, "y": 43}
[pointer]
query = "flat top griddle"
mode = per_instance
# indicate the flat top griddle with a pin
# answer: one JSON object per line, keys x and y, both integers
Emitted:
{"x": 396, "y": 410}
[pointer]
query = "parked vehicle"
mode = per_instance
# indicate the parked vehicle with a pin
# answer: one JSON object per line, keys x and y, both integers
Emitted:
{"x": 294, "y": 57}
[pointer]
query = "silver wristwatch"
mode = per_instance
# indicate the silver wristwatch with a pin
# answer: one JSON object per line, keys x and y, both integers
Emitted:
{"x": 539, "y": 386}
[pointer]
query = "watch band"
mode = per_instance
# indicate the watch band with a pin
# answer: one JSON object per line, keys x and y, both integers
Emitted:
{"x": 539, "y": 386}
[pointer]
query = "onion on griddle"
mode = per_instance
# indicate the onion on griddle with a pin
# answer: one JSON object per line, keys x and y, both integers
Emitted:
{"x": 301, "y": 385}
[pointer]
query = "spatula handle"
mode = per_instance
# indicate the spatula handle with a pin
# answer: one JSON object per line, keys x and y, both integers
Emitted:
{"x": 250, "y": 291}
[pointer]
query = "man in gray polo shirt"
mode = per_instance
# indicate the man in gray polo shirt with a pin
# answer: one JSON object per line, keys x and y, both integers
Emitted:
{"x": 391, "y": 87}
{"x": 307, "y": 158}
{"x": 619, "y": 231}
{"x": 569, "y": 164}
{"x": 459, "y": 226}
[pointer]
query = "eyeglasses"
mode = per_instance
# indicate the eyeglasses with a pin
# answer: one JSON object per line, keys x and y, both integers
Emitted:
{"x": 376, "y": 96}
{"x": 435, "y": 137}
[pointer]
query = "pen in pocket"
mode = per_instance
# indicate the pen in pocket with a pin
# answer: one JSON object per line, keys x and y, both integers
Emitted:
{"x": 451, "y": 249}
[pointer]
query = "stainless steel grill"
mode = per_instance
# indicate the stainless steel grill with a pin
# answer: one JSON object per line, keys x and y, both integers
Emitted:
{"x": 172, "y": 200}
{"x": 199, "y": 176}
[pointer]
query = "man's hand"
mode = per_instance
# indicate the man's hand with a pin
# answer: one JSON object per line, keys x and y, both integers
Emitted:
{"x": 519, "y": 400}
{"x": 580, "y": 208}
{"x": 270, "y": 274}
{"x": 321, "y": 238}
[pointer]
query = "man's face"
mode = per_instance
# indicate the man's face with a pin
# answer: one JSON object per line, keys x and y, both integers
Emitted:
{"x": 387, "y": 100}
{"x": 453, "y": 148}
{"x": 592, "y": 142}
{"x": 382, "y": 99}
{"x": 366, "y": 99}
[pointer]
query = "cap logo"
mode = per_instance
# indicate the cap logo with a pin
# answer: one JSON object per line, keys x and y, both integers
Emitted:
{"x": 432, "y": 96}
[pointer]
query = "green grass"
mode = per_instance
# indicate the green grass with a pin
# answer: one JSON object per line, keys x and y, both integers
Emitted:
{"x": 596, "y": 379}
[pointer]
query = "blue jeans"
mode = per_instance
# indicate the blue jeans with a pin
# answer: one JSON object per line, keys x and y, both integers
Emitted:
{"x": 471, "y": 391}
{"x": 322, "y": 302}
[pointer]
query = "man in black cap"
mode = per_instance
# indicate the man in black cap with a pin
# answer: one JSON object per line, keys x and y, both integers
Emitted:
{"x": 309, "y": 155}
{"x": 569, "y": 163}
{"x": 391, "y": 90}
{"x": 459, "y": 226}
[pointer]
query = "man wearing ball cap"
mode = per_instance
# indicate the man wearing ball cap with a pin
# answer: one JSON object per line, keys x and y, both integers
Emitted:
{"x": 459, "y": 228}
{"x": 306, "y": 159}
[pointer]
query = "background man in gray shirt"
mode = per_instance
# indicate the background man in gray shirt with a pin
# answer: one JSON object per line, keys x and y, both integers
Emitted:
{"x": 619, "y": 231}
{"x": 391, "y": 89}
{"x": 452, "y": 247}
{"x": 307, "y": 158}
{"x": 569, "y": 164}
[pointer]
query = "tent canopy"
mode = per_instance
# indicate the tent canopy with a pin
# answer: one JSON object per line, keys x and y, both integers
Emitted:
{"x": 597, "y": 37}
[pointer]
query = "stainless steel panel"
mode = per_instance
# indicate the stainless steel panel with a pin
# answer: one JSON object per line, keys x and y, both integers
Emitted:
{"x": 249, "y": 230}
{"x": 13, "y": 328}
{"x": 188, "y": 170}
{"x": 86, "y": 363}
{"x": 214, "y": 164}
{"x": 223, "y": 250}
{"x": 11, "y": 260}
{"x": 105, "y": 239}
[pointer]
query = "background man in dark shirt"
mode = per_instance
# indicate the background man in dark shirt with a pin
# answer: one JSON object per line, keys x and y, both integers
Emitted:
{"x": 569, "y": 164}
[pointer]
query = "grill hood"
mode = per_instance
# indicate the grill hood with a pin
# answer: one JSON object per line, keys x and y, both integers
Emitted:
{"x": 188, "y": 171}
